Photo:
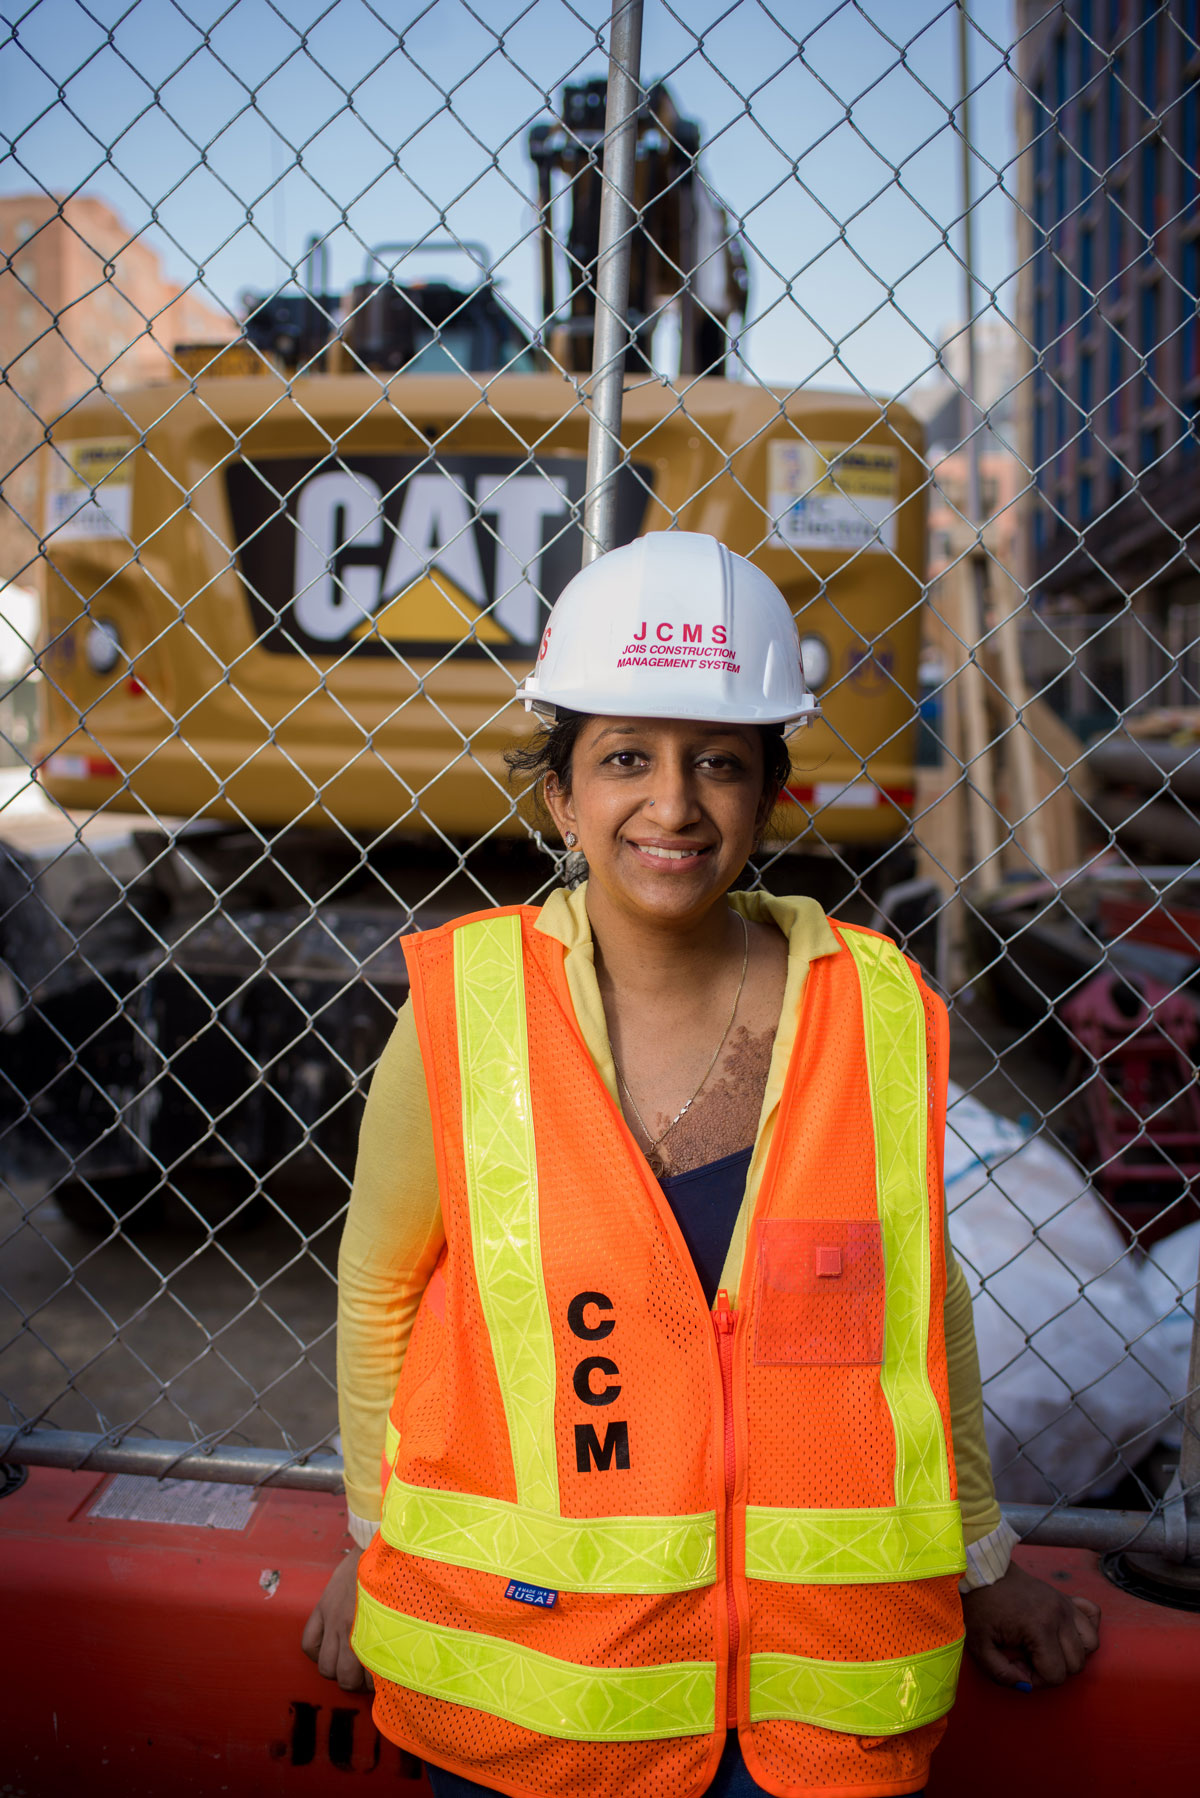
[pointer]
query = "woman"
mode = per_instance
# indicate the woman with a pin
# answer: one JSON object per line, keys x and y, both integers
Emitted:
{"x": 671, "y": 1501}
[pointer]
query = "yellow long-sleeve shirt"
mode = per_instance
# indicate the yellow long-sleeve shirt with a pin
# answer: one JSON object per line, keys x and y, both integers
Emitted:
{"x": 393, "y": 1234}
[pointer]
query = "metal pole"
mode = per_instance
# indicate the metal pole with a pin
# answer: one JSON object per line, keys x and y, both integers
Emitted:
{"x": 611, "y": 338}
{"x": 147, "y": 1456}
{"x": 974, "y": 500}
{"x": 1101, "y": 1531}
{"x": 977, "y": 754}
{"x": 1024, "y": 796}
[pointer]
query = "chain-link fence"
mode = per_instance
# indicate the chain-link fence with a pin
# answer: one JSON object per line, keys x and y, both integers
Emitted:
{"x": 299, "y": 311}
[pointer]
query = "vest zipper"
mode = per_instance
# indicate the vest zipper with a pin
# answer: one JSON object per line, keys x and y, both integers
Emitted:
{"x": 724, "y": 1323}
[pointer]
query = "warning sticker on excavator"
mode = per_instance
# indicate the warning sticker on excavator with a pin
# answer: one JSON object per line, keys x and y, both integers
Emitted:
{"x": 90, "y": 489}
{"x": 413, "y": 555}
{"x": 833, "y": 496}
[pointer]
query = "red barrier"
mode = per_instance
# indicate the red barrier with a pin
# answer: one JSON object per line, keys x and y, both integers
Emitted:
{"x": 162, "y": 1660}
{"x": 1124, "y": 1726}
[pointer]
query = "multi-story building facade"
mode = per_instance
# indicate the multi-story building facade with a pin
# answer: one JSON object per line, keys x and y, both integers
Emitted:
{"x": 1109, "y": 129}
{"x": 81, "y": 302}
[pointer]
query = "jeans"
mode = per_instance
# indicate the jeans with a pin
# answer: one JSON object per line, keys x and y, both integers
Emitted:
{"x": 731, "y": 1780}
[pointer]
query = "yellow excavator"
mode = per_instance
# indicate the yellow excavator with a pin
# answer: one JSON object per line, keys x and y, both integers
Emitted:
{"x": 288, "y": 596}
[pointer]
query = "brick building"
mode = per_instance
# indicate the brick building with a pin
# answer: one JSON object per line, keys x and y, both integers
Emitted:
{"x": 81, "y": 302}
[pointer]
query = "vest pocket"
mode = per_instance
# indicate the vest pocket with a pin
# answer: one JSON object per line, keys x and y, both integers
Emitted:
{"x": 819, "y": 1297}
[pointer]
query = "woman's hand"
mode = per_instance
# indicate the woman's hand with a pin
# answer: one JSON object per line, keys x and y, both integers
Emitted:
{"x": 326, "y": 1638}
{"x": 1023, "y": 1632}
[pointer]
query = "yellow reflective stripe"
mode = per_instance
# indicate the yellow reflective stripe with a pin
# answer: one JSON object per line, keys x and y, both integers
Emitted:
{"x": 553, "y": 1697}
{"x": 391, "y": 1442}
{"x": 894, "y": 1031}
{"x": 501, "y": 1168}
{"x": 861, "y": 1698}
{"x": 572, "y": 1554}
{"x": 853, "y": 1548}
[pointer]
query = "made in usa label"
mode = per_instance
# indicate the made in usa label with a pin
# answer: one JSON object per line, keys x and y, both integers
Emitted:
{"x": 530, "y": 1594}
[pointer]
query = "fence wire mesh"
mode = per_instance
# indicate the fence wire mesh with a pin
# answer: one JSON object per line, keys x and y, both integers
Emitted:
{"x": 296, "y": 313}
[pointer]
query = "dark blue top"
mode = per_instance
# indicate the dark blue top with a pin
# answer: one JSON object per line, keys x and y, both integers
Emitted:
{"x": 706, "y": 1201}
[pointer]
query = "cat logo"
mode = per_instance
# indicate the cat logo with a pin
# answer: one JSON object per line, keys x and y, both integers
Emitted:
{"x": 412, "y": 555}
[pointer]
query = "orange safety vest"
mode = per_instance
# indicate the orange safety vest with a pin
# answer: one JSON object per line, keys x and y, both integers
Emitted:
{"x": 616, "y": 1523}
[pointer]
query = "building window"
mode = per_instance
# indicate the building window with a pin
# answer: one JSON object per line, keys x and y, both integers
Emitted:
{"x": 1060, "y": 299}
{"x": 1191, "y": 28}
{"x": 1087, "y": 399}
{"x": 1041, "y": 136}
{"x": 1150, "y": 41}
{"x": 1116, "y": 96}
{"x": 1111, "y": 473}
{"x": 1116, "y": 391}
{"x": 1149, "y": 447}
{"x": 1148, "y": 332}
{"x": 1060, "y": 184}
{"x": 1151, "y": 198}
{"x": 1087, "y": 263}
{"x": 1087, "y": 152}
{"x": 1189, "y": 149}
{"x": 1084, "y": 21}
{"x": 1115, "y": 225}
{"x": 1085, "y": 497}
{"x": 1060, "y": 71}
{"x": 1190, "y": 279}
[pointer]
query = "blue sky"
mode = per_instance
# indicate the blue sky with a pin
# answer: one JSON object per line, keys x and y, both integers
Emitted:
{"x": 222, "y": 131}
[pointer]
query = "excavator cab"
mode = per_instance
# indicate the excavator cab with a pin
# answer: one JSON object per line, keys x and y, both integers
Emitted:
{"x": 388, "y": 326}
{"x": 687, "y": 267}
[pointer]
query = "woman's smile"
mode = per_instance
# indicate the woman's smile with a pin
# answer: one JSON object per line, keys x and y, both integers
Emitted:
{"x": 674, "y": 855}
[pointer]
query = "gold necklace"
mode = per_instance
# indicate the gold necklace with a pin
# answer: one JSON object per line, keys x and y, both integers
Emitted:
{"x": 624, "y": 1084}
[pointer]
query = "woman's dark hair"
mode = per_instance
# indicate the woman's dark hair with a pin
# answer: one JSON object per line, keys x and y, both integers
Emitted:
{"x": 551, "y": 747}
{"x": 547, "y": 751}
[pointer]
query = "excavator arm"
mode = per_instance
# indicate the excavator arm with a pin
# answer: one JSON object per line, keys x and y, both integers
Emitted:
{"x": 686, "y": 257}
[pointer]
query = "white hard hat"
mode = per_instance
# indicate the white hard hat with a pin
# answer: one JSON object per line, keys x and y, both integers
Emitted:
{"x": 673, "y": 625}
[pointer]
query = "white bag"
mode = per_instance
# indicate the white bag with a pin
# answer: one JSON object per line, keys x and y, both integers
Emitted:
{"x": 1168, "y": 1276}
{"x": 1076, "y": 1387}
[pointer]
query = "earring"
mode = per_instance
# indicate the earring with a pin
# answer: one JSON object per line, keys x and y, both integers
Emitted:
{"x": 571, "y": 839}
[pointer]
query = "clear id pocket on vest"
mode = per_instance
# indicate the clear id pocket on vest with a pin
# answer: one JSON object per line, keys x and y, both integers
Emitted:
{"x": 819, "y": 1293}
